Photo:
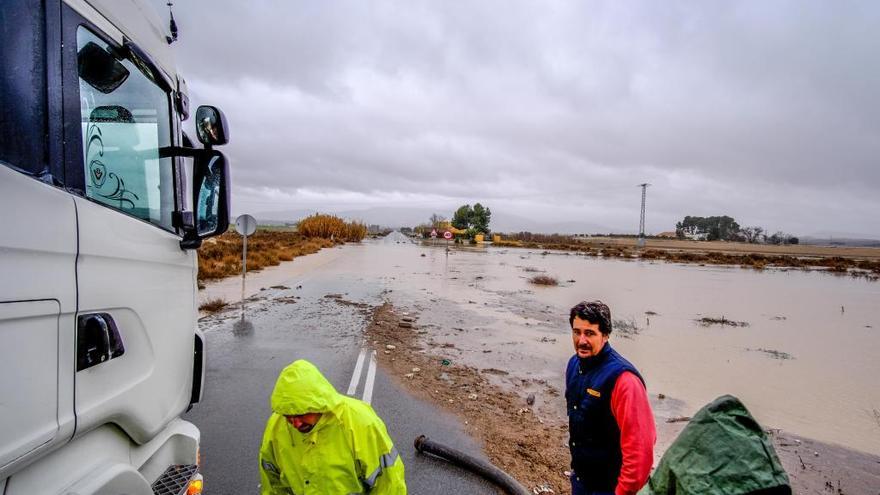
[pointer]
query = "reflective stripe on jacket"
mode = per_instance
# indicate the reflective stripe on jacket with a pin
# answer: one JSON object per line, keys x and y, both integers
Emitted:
{"x": 348, "y": 451}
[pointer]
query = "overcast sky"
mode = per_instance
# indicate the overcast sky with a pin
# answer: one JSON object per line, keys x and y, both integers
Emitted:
{"x": 765, "y": 111}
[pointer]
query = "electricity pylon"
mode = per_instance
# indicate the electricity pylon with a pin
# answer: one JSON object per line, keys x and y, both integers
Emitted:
{"x": 641, "y": 242}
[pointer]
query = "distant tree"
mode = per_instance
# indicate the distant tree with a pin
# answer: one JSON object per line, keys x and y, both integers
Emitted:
{"x": 480, "y": 218}
{"x": 423, "y": 230}
{"x": 461, "y": 219}
{"x": 436, "y": 220}
{"x": 794, "y": 240}
{"x": 774, "y": 238}
{"x": 752, "y": 234}
{"x": 716, "y": 228}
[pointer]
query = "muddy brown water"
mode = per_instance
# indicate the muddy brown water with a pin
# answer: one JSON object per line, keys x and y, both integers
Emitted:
{"x": 807, "y": 362}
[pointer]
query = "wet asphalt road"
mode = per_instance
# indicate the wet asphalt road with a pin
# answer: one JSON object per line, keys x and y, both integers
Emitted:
{"x": 245, "y": 357}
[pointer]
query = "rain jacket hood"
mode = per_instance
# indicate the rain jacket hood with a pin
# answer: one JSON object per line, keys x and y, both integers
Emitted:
{"x": 349, "y": 450}
{"x": 302, "y": 389}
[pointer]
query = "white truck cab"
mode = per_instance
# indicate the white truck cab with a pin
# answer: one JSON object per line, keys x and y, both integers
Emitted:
{"x": 99, "y": 348}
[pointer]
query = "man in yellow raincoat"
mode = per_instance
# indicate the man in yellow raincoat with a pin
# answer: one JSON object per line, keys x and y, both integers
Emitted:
{"x": 320, "y": 442}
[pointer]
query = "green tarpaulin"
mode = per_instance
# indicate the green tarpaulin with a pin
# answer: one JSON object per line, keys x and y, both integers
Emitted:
{"x": 722, "y": 451}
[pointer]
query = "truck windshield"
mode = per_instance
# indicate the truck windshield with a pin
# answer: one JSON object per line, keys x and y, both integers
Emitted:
{"x": 125, "y": 120}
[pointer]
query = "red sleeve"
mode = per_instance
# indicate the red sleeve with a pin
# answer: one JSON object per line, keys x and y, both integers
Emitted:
{"x": 629, "y": 404}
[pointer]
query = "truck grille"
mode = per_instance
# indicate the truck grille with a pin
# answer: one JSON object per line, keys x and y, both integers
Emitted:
{"x": 175, "y": 479}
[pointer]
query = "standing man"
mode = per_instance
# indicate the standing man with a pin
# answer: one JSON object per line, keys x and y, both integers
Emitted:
{"x": 611, "y": 427}
{"x": 320, "y": 442}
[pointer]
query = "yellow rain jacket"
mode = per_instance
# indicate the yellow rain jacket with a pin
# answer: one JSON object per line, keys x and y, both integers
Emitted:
{"x": 348, "y": 451}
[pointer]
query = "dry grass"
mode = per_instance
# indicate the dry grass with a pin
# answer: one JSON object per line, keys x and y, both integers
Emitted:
{"x": 332, "y": 227}
{"x": 544, "y": 280}
{"x": 212, "y": 305}
{"x": 221, "y": 256}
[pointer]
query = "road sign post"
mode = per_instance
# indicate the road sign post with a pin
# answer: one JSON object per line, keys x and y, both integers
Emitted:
{"x": 447, "y": 235}
{"x": 244, "y": 225}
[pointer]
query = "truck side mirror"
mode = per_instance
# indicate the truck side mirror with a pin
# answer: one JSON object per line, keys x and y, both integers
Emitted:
{"x": 211, "y": 126}
{"x": 211, "y": 198}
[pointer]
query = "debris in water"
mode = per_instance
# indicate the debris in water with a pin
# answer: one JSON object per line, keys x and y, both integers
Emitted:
{"x": 472, "y": 396}
{"x": 416, "y": 370}
{"x": 446, "y": 362}
{"x": 709, "y": 320}
{"x": 661, "y": 396}
{"x": 409, "y": 375}
{"x": 530, "y": 400}
{"x": 651, "y": 313}
{"x": 544, "y": 280}
{"x": 678, "y": 419}
{"x": 405, "y": 324}
{"x": 773, "y": 353}
{"x": 391, "y": 347}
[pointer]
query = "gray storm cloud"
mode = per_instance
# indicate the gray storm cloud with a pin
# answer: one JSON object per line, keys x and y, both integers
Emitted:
{"x": 764, "y": 111}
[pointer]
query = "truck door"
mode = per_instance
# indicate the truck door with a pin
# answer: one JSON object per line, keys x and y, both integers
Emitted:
{"x": 135, "y": 284}
{"x": 37, "y": 246}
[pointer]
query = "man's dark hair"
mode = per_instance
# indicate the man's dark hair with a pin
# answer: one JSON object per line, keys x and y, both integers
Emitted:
{"x": 595, "y": 312}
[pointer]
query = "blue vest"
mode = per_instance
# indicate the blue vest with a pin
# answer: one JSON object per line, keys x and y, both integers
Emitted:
{"x": 594, "y": 437}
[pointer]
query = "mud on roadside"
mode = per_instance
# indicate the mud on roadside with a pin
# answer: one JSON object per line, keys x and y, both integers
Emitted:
{"x": 515, "y": 439}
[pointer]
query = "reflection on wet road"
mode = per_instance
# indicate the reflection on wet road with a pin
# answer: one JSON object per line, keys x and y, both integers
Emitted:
{"x": 281, "y": 325}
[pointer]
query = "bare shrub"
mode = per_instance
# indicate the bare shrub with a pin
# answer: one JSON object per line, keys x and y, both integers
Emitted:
{"x": 544, "y": 280}
{"x": 212, "y": 305}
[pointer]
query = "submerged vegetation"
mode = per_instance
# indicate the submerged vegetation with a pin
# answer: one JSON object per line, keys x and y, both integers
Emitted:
{"x": 855, "y": 267}
{"x": 221, "y": 256}
{"x": 212, "y": 305}
{"x": 707, "y": 321}
{"x": 544, "y": 280}
{"x": 625, "y": 328}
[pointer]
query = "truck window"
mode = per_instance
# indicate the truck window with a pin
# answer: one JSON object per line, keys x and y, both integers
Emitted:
{"x": 125, "y": 120}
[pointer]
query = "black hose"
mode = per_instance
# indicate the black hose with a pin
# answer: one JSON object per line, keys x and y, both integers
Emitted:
{"x": 483, "y": 468}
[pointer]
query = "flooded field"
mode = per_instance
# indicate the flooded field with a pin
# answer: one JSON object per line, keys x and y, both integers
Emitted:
{"x": 803, "y": 356}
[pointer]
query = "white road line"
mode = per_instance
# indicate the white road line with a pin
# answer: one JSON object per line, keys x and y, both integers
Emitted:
{"x": 371, "y": 378}
{"x": 356, "y": 376}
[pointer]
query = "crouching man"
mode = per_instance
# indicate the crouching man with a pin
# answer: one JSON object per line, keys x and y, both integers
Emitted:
{"x": 611, "y": 427}
{"x": 318, "y": 441}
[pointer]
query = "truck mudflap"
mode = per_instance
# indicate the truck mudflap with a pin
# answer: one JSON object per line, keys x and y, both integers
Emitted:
{"x": 176, "y": 480}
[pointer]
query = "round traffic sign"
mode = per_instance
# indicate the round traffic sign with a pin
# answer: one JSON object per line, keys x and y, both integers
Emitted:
{"x": 434, "y": 233}
{"x": 245, "y": 225}
{"x": 447, "y": 235}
